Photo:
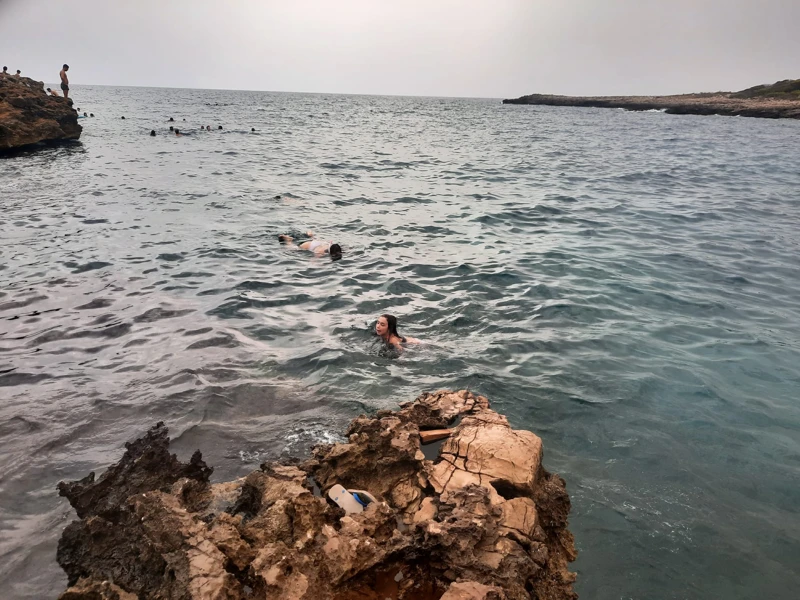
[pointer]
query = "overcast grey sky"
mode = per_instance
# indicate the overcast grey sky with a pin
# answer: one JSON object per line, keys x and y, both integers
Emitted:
{"x": 486, "y": 48}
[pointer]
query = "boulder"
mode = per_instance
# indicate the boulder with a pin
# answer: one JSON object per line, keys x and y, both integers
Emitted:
{"x": 482, "y": 520}
{"x": 29, "y": 115}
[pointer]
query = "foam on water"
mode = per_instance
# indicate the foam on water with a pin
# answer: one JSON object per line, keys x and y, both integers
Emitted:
{"x": 623, "y": 285}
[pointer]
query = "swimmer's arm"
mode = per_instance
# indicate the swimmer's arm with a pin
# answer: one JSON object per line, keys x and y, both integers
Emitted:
{"x": 411, "y": 340}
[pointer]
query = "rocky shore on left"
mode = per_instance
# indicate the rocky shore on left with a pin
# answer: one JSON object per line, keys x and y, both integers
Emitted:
{"x": 439, "y": 499}
{"x": 29, "y": 116}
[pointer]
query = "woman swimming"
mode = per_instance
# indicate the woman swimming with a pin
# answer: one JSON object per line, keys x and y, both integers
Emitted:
{"x": 318, "y": 247}
{"x": 386, "y": 328}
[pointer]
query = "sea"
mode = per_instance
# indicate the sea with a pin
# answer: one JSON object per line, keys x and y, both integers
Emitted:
{"x": 624, "y": 284}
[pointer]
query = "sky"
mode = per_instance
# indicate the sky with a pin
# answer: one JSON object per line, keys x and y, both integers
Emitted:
{"x": 472, "y": 48}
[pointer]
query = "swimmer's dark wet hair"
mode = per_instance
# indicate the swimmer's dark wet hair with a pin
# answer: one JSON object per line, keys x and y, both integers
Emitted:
{"x": 335, "y": 251}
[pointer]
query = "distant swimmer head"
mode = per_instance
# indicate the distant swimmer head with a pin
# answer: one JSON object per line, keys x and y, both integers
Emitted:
{"x": 171, "y": 128}
{"x": 220, "y": 127}
{"x": 252, "y": 129}
{"x": 84, "y": 114}
{"x": 91, "y": 114}
{"x": 177, "y": 132}
{"x": 152, "y": 133}
{"x": 123, "y": 117}
{"x": 18, "y": 71}
{"x": 208, "y": 127}
{"x": 386, "y": 326}
{"x": 335, "y": 250}
{"x": 171, "y": 119}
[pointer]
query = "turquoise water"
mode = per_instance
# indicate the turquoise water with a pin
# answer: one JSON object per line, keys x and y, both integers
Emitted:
{"x": 626, "y": 285}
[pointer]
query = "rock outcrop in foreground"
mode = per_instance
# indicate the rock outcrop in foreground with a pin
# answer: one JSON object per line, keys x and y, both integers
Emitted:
{"x": 482, "y": 520}
{"x": 28, "y": 115}
{"x": 780, "y": 100}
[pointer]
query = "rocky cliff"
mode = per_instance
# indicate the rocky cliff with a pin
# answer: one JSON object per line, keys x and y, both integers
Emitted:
{"x": 28, "y": 115}
{"x": 780, "y": 100}
{"x": 475, "y": 516}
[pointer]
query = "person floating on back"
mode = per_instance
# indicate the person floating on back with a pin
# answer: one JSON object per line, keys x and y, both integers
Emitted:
{"x": 64, "y": 81}
{"x": 318, "y": 247}
{"x": 52, "y": 93}
{"x": 386, "y": 329}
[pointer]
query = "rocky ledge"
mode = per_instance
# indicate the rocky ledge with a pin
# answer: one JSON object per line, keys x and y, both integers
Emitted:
{"x": 780, "y": 100}
{"x": 29, "y": 115}
{"x": 472, "y": 516}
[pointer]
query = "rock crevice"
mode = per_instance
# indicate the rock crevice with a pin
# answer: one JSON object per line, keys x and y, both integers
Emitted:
{"x": 482, "y": 520}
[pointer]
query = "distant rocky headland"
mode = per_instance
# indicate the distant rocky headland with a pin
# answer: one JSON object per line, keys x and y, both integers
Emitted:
{"x": 28, "y": 115}
{"x": 452, "y": 503}
{"x": 780, "y": 100}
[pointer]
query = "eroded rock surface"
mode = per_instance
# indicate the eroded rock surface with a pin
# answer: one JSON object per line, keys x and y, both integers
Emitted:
{"x": 482, "y": 520}
{"x": 28, "y": 115}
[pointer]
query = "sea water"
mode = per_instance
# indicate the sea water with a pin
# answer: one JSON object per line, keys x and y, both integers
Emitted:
{"x": 626, "y": 285}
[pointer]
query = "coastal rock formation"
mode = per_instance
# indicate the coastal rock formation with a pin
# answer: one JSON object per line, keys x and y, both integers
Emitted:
{"x": 477, "y": 518}
{"x": 777, "y": 101}
{"x": 28, "y": 115}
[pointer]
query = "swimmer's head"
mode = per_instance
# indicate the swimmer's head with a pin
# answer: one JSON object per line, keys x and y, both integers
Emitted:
{"x": 153, "y": 133}
{"x": 386, "y": 326}
{"x": 171, "y": 128}
{"x": 49, "y": 90}
{"x": 335, "y": 251}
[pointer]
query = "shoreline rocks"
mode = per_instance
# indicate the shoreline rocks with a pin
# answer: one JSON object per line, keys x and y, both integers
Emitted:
{"x": 476, "y": 518}
{"x": 29, "y": 115}
{"x": 777, "y": 101}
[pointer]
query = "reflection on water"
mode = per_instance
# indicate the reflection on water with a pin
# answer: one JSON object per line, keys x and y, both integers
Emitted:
{"x": 625, "y": 285}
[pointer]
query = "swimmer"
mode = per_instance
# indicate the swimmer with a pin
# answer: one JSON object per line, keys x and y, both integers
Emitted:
{"x": 152, "y": 133}
{"x": 171, "y": 128}
{"x": 386, "y": 329}
{"x": 177, "y": 133}
{"x": 91, "y": 114}
{"x": 318, "y": 247}
{"x": 171, "y": 120}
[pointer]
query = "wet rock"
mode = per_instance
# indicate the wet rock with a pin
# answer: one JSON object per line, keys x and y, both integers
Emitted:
{"x": 484, "y": 520}
{"x": 29, "y": 115}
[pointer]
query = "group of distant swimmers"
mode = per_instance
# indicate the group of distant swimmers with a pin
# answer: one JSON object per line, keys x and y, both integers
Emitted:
{"x": 178, "y": 132}
{"x": 386, "y": 326}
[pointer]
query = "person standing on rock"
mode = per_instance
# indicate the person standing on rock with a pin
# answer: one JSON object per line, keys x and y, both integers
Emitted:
{"x": 64, "y": 81}
{"x": 18, "y": 73}
{"x": 5, "y": 70}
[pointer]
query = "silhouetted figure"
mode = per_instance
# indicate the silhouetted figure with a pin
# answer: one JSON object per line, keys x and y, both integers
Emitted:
{"x": 220, "y": 127}
{"x": 5, "y": 70}
{"x": 171, "y": 120}
{"x": 84, "y": 114}
{"x": 152, "y": 133}
{"x": 208, "y": 127}
{"x": 18, "y": 73}
{"x": 64, "y": 80}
